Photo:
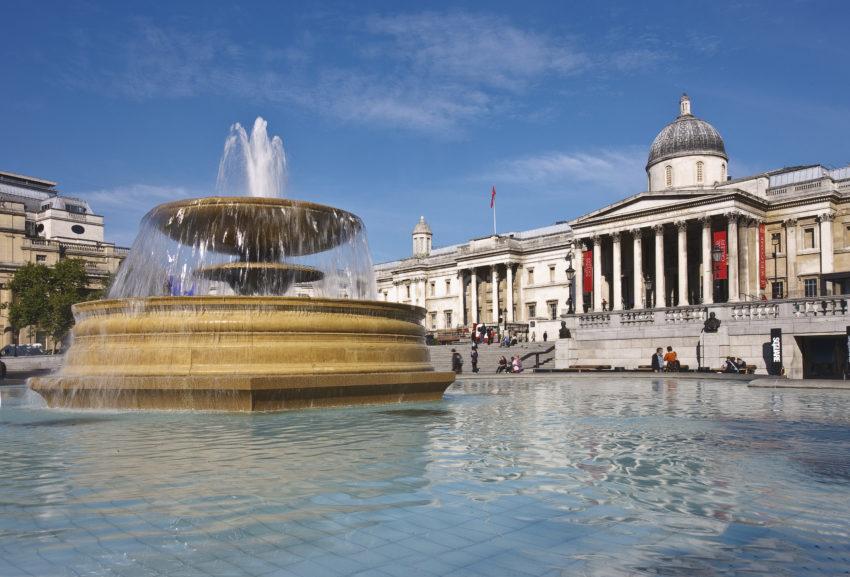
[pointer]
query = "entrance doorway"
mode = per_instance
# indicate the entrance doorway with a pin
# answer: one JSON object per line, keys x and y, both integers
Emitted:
{"x": 824, "y": 357}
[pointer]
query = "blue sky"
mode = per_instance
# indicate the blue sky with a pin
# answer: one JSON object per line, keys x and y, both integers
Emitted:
{"x": 393, "y": 109}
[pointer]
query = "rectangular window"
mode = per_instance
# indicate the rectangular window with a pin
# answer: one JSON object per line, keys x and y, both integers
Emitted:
{"x": 808, "y": 238}
{"x": 448, "y": 286}
{"x": 778, "y": 289}
{"x": 433, "y": 288}
{"x": 811, "y": 286}
{"x": 40, "y": 258}
{"x": 775, "y": 243}
{"x": 551, "y": 273}
{"x": 532, "y": 310}
{"x": 386, "y": 296}
{"x": 407, "y": 288}
{"x": 553, "y": 309}
{"x": 531, "y": 276}
{"x": 847, "y": 236}
{"x": 448, "y": 315}
{"x": 433, "y": 321}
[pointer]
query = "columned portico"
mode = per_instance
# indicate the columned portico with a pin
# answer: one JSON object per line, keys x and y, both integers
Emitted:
{"x": 732, "y": 256}
{"x": 578, "y": 283}
{"x": 509, "y": 292}
{"x": 494, "y": 285}
{"x": 637, "y": 276}
{"x": 473, "y": 295}
{"x": 597, "y": 273}
{"x": 707, "y": 272}
{"x": 660, "y": 289}
{"x": 682, "y": 268}
{"x": 617, "y": 274}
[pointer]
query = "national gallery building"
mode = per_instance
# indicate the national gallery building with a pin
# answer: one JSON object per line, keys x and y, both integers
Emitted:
{"x": 771, "y": 249}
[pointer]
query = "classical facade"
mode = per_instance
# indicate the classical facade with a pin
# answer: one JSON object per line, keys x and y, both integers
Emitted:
{"x": 39, "y": 225}
{"x": 697, "y": 238}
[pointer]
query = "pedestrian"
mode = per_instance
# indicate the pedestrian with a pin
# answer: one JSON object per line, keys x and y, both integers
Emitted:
{"x": 503, "y": 365}
{"x": 658, "y": 360}
{"x": 474, "y": 358}
{"x": 604, "y": 305}
{"x": 533, "y": 337}
{"x": 671, "y": 360}
{"x": 457, "y": 362}
{"x": 545, "y": 336}
{"x": 730, "y": 366}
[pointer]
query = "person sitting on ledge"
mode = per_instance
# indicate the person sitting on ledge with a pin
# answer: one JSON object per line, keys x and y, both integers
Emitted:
{"x": 503, "y": 365}
{"x": 671, "y": 360}
{"x": 517, "y": 364}
{"x": 658, "y": 360}
{"x": 457, "y": 362}
{"x": 730, "y": 366}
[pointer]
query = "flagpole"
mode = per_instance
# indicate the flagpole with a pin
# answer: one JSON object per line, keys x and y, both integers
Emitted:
{"x": 494, "y": 216}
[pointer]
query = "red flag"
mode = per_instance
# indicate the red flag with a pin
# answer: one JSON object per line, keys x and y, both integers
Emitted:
{"x": 492, "y": 197}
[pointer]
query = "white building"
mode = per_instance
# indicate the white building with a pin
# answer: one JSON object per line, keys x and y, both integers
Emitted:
{"x": 695, "y": 240}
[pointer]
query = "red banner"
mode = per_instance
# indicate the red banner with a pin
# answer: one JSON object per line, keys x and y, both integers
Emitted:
{"x": 762, "y": 261}
{"x": 587, "y": 271}
{"x": 719, "y": 266}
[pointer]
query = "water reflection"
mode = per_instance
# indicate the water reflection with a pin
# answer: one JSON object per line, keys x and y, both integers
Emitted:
{"x": 590, "y": 477}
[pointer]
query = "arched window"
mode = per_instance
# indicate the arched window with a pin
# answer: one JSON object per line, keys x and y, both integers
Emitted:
{"x": 723, "y": 172}
{"x": 668, "y": 175}
{"x": 699, "y": 172}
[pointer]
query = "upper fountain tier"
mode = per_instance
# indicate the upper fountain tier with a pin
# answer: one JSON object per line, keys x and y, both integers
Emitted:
{"x": 254, "y": 228}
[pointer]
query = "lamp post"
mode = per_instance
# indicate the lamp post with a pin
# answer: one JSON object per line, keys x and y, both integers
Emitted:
{"x": 716, "y": 258}
{"x": 776, "y": 294}
{"x": 571, "y": 275}
{"x": 647, "y": 281}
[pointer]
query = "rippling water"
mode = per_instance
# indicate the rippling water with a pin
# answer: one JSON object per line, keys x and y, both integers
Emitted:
{"x": 573, "y": 477}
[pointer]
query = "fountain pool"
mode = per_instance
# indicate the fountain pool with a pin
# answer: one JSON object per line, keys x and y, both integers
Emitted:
{"x": 567, "y": 476}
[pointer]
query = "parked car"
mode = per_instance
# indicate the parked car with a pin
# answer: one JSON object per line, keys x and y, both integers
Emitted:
{"x": 22, "y": 350}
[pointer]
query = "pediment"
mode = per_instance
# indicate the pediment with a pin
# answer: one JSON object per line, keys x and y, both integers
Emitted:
{"x": 645, "y": 201}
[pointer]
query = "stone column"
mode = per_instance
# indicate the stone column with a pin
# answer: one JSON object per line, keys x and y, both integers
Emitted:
{"x": 578, "y": 283}
{"x": 707, "y": 266}
{"x": 494, "y": 277}
{"x": 659, "y": 266}
{"x": 732, "y": 256}
{"x": 616, "y": 272}
{"x": 826, "y": 253}
{"x": 790, "y": 258}
{"x": 473, "y": 294}
{"x": 682, "y": 227}
{"x": 509, "y": 293}
{"x": 597, "y": 273}
{"x": 757, "y": 284}
{"x": 744, "y": 259}
{"x": 638, "y": 292}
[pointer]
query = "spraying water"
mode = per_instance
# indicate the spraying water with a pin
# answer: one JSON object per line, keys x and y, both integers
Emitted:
{"x": 252, "y": 165}
{"x": 229, "y": 245}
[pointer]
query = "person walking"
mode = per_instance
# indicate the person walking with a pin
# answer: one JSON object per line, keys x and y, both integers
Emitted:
{"x": 671, "y": 360}
{"x": 457, "y": 362}
{"x": 474, "y": 359}
{"x": 658, "y": 360}
{"x": 545, "y": 336}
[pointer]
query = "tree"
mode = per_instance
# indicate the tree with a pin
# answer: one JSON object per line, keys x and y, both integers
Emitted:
{"x": 42, "y": 297}
{"x": 67, "y": 287}
{"x": 29, "y": 306}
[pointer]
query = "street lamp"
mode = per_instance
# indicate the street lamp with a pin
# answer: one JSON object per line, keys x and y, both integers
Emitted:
{"x": 776, "y": 293}
{"x": 716, "y": 258}
{"x": 571, "y": 275}
{"x": 647, "y": 281}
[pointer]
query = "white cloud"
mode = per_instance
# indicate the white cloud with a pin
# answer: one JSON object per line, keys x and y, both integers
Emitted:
{"x": 611, "y": 169}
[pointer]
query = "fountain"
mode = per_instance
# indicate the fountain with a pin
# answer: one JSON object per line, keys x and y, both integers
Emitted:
{"x": 245, "y": 303}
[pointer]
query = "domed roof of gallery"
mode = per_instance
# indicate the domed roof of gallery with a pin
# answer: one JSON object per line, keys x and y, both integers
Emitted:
{"x": 686, "y": 136}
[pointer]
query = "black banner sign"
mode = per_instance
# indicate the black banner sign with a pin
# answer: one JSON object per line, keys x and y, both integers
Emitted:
{"x": 776, "y": 350}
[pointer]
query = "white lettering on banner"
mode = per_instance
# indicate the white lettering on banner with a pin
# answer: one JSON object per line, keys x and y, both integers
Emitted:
{"x": 777, "y": 349}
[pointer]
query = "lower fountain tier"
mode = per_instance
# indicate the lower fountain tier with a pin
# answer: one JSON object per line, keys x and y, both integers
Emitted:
{"x": 243, "y": 354}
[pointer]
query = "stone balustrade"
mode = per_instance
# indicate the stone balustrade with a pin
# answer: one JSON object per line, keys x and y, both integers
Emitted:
{"x": 728, "y": 313}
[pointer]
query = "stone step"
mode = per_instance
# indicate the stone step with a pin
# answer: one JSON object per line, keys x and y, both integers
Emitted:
{"x": 488, "y": 355}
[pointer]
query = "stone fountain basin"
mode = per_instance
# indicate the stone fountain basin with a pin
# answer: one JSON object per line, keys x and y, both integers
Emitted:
{"x": 243, "y": 354}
